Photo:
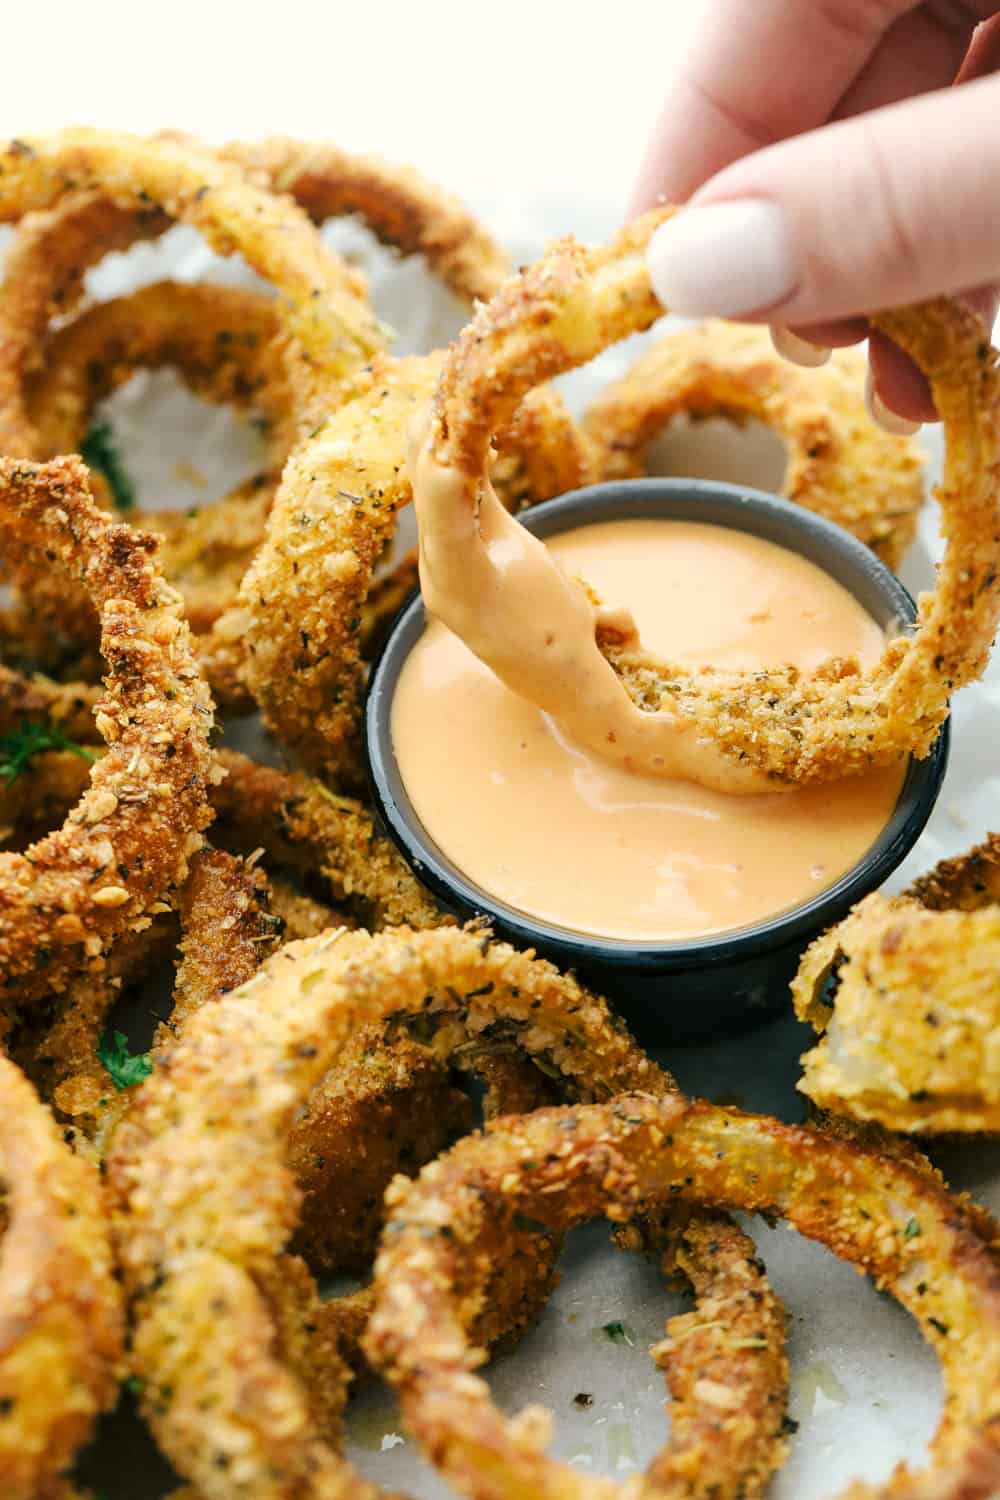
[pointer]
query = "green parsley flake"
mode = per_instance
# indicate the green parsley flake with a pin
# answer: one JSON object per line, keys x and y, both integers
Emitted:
{"x": 912, "y": 1230}
{"x": 17, "y": 749}
{"x": 99, "y": 451}
{"x": 619, "y": 1333}
{"x": 124, "y": 1067}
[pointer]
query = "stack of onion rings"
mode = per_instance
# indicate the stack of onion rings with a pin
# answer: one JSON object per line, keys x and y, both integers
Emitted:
{"x": 202, "y": 1202}
{"x": 564, "y": 1166}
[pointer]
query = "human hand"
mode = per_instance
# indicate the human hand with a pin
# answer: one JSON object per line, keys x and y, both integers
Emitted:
{"x": 832, "y": 170}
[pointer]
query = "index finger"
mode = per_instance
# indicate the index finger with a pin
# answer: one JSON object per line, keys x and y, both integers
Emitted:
{"x": 757, "y": 71}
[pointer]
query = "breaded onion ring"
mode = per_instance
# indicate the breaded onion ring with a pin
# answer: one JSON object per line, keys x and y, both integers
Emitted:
{"x": 60, "y": 1307}
{"x": 304, "y": 827}
{"x": 904, "y": 995}
{"x": 43, "y": 275}
{"x": 565, "y": 1166}
{"x": 333, "y": 331}
{"x": 775, "y": 726}
{"x": 201, "y": 1195}
{"x": 396, "y": 203}
{"x": 840, "y": 463}
{"x": 223, "y": 342}
{"x": 126, "y": 846}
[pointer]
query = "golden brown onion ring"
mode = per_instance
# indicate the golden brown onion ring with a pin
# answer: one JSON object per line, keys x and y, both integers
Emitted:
{"x": 790, "y": 727}
{"x": 201, "y": 1194}
{"x": 304, "y": 827}
{"x": 125, "y": 848}
{"x": 301, "y": 601}
{"x": 839, "y": 462}
{"x": 904, "y": 995}
{"x": 61, "y": 1330}
{"x": 223, "y": 341}
{"x": 565, "y": 1166}
{"x": 43, "y": 278}
{"x": 396, "y": 203}
{"x": 322, "y": 306}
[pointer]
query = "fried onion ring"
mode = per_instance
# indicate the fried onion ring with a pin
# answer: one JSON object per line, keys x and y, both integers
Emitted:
{"x": 61, "y": 1332}
{"x": 126, "y": 846}
{"x": 840, "y": 463}
{"x": 741, "y": 730}
{"x": 304, "y": 827}
{"x": 201, "y": 1194}
{"x": 903, "y": 993}
{"x": 565, "y": 1166}
{"x": 397, "y": 204}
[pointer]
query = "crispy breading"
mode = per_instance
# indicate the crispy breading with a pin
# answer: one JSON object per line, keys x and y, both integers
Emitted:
{"x": 840, "y": 463}
{"x": 125, "y": 848}
{"x": 201, "y": 1195}
{"x": 61, "y": 1327}
{"x": 780, "y": 725}
{"x": 304, "y": 827}
{"x": 564, "y": 1166}
{"x": 904, "y": 996}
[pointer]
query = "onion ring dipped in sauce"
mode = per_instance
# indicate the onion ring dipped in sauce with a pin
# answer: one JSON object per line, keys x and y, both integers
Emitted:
{"x": 840, "y": 463}
{"x": 125, "y": 848}
{"x": 61, "y": 1325}
{"x": 903, "y": 994}
{"x": 568, "y": 1165}
{"x": 582, "y": 662}
{"x": 202, "y": 1199}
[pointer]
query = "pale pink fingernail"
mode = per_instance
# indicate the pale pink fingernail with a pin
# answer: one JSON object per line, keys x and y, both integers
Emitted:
{"x": 790, "y": 346}
{"x": 889, "y": 421}
{"x": 725, "y": 259}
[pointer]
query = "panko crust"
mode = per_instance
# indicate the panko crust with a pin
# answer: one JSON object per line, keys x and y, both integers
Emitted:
{"x": 124, "y": 849}
{"x": 61, "y": 1327}
{"x": 903, "y": 994}
{"x": 201, "y": 1195}
{"x": 398, "y": 204}
{"x": 840, "y": 463}
{"x": 304, "y": 827}
{"x": 794, "y": 728}
{"x": 565, "y": 1166}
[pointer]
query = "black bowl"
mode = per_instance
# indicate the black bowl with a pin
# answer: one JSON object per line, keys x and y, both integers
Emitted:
{"x": 685, "y": 988}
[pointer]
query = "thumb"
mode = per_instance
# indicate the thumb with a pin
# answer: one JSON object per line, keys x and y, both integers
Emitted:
{"x": 883, "y": 209}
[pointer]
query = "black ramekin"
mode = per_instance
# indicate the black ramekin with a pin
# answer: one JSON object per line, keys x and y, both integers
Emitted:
{"x": 686, "y": 988}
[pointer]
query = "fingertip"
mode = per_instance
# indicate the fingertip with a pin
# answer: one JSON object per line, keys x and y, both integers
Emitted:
{"x": 890, "y": 421}
{"x": 901, "y": 387}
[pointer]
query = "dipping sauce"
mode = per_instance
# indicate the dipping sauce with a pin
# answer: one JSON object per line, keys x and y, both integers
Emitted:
{"x": 575, "y": 840}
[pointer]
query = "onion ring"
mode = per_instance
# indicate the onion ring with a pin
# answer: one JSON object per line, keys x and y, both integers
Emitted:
{"x": 748, "y": 731}
{"x": 61, "y": 1333}
{"x": 396, "y": 203}
{"x": 564, "y": 1166}
{"x": 128, "y": 842}
{"x": 304, "y": 827}
{"x": 839, "y": 462}
{"x": 904, "y": 997}
{"x": 201, "y": 1195}
{"x": 222, "y": 340}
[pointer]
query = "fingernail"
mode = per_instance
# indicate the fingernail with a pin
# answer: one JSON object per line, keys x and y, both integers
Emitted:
{"x": 790, "y": 346}
{"x": 889, "y": 421}
{"x": 725, "y": 259}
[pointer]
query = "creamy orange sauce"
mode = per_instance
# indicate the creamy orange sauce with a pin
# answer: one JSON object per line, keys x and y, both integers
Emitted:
{"x": 564, "y": 834}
